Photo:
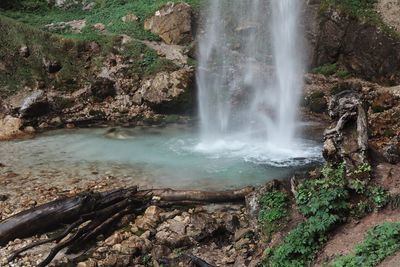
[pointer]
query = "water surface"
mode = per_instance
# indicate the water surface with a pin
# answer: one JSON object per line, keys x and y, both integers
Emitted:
{"x": 157, "y": 157}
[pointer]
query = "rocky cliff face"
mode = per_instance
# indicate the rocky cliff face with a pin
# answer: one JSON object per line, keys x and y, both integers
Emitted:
{"x": 365, "y": 49}
{"x": 48, "y": 81}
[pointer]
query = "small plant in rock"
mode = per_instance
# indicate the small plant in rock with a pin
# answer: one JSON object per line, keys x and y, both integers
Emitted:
{"x": 360, "y": 186}
{"x": 326, "y": 69}
{"x": 361, "y": 173}
{"x": 378, "y": 196}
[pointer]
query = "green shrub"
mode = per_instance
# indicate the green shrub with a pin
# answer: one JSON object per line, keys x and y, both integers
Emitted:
{"x": 378, "y": 197}
{"x": 274, "y": 209}
{"x": 324, "y": 202}
{"x": 327, "y": 69}
{"x": 380, "y": 242}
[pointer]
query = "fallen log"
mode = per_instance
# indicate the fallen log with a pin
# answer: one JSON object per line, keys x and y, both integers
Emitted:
{"x": 90, "y": 214}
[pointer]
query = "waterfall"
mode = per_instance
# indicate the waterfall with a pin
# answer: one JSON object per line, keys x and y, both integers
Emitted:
{"x": 250, "y": 73}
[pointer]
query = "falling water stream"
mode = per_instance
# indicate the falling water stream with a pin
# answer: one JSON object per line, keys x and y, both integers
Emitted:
{"x": 250, "y": 79}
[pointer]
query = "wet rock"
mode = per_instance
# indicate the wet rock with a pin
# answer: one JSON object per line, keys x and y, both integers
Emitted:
{"x": 56, "y": 121}
{"x": 317, "y": 102}
{"x": 35, "y": 105}
{"x": 29, "y": 130}
{"x": 173, "y": 23}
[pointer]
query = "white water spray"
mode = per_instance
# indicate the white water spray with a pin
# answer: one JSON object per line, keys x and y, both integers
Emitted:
{"x": 250, "y": 77}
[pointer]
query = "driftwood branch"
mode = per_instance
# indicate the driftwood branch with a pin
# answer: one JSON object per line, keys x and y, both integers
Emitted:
{"x": 90, "y": 214}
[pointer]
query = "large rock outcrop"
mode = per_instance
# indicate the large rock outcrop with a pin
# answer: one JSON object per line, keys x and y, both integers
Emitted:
{"x": 173, "y": 23}
{"x": 362, "y": 48}
{"x": 10, "y": 128}
{"x": 168, "y": 91}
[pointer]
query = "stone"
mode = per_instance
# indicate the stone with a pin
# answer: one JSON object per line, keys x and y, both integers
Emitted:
{"x": 160, "y": 251}
{"x": 231, "y": 222}
{"x": 114, "y": 239}
{"x": 29, "y": 130}
{"x": 317, "y": 102}
{"x": 129, "y": 18}
{"x": 99, "y": 27}
{"x": 24, "y": 51}
{"x": 239, "y": 234}
{"x": 168, "y": 91}
{"x": 175, "y": 53}
{"x": 153, "y": 212}
{"x": 56, "y": 121}
{"x": 173, "y": 23}
{"x": 74, "y": 26}
{"x": 70, "y": 126}
{"x": 169, "y": 215}
{"x": 102, "y": 88}
{"x": 10, "y": 128}
{"x": 391, "y": 153}
{"x": 89, "y": 6}
{"x": 329, "y": 150}
{"x": 35, "y": 105}
{"x": 43, "y": 125}
{"x": 359, "y": 46}
{"x": 52, "y": 66}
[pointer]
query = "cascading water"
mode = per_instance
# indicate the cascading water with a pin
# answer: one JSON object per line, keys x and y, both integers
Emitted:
{"x": 250, "y": 78}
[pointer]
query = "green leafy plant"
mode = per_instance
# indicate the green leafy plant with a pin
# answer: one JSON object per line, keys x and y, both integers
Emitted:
{"x": 274, "y": 209}
{"x": 380, "y": 242}
{"x": 324, "y": 202}
{"x": 378, "y": 196}
{"x": 326, "y": 69}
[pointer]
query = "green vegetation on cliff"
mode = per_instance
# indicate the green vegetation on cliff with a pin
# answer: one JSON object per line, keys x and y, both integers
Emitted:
{"x": 360, "y": 9}
{"x": 380, "y": 242}
{"x": 108, "y": 13}
{"x": 22, "y": 24}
